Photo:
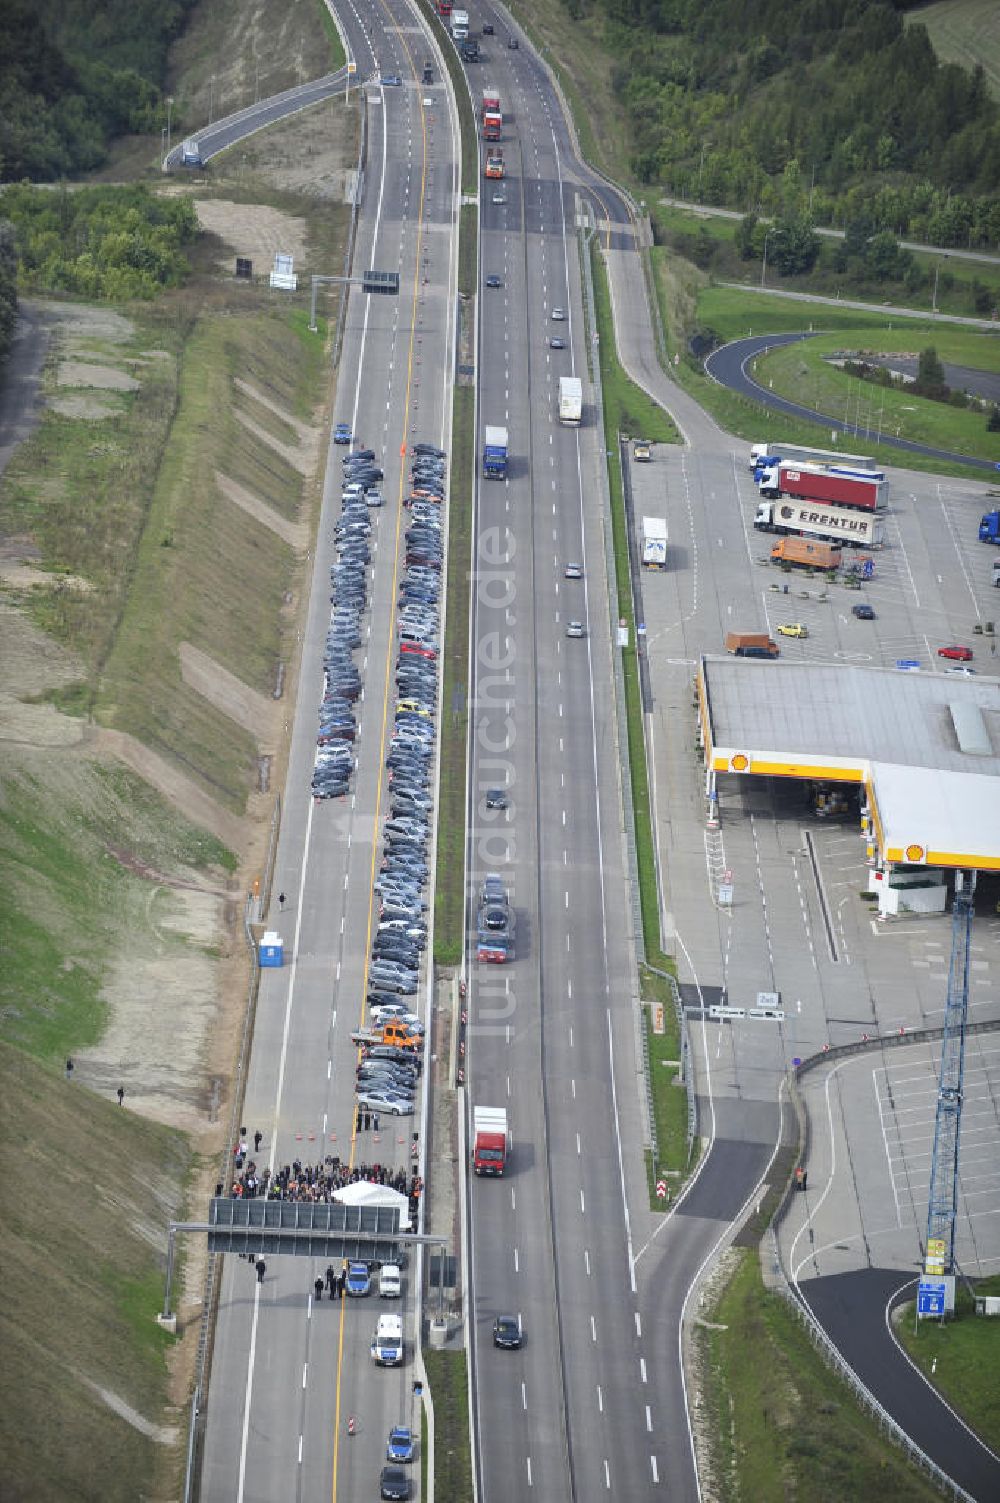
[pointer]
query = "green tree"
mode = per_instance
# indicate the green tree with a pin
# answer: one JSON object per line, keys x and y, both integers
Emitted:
{"x": 793, "y": 246}
{"x": 743, "y": 238}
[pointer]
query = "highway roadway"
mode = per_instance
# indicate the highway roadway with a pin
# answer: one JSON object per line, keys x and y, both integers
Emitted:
{"x": 288, "y": 1372}
{"x": 595, "y": 1401}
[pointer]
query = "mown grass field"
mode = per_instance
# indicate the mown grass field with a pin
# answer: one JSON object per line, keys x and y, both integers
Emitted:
{"x": 965, "y": 32}
{"x": 782, "y": 1425}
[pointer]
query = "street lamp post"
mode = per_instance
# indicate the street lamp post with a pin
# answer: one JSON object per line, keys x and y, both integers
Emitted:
{"x": 170, "y": 106}
{"x": 211, "y": 99}
{"x": 763, "y": 264}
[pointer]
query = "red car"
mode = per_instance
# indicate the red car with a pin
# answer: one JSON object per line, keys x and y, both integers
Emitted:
{"x": 959, "y": 654}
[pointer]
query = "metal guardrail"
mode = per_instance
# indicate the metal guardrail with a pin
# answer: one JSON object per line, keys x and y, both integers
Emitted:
{"x": 352, "y": 236}
{"x": 209, "y": 1298}
{"x": 628, "y": 808}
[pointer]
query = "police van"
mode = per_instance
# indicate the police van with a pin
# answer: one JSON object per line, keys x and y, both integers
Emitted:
{"x": 387, "y": 1343}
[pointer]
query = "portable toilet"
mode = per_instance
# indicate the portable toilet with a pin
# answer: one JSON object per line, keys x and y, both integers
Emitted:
{"x": 272, "y": 949}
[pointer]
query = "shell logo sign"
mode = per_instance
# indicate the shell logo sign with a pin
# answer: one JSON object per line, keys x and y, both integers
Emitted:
{"x": 915, "y": 854}
{"x": 739, "y": 762}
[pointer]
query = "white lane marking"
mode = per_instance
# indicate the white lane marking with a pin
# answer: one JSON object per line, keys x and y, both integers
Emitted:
{"x": 593, "y": 1329}
{"x": 578, "y": 1149}
{"x": 583, "y": 1205}
{"x": 524, "y": 1397}
{"x": 638, "y": 1325}
{"x": 586, "y": 1260}
{"x": 600, "y": 1399}
{"x": 528, "y": 1463}
{"x": 305, "y": 1365}
{"x": 656, "y": 1475}
{"x": 300, "y": 1450}
{"x": 517, "y": 1265}
{"x": 607, "y": 1475}
{"x": 642, "y": 1369}
{"x": 649, "y": 1419}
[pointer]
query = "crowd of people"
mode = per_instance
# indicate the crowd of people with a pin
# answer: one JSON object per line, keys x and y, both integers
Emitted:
{"x": 317, "y": 1182}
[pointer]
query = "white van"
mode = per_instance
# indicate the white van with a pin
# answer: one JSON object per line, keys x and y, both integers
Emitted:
{"x": 389, "y": 1281}
{"x": 387, "y": 1343}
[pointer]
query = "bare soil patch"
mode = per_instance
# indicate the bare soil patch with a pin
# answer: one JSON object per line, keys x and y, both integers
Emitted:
{"x": 295, "y": 534}
{"x": 88, "y": 409}
{"x": 254, "y": 230}
{"x": 250, "y": 709}
{"x": 105, "y": 377}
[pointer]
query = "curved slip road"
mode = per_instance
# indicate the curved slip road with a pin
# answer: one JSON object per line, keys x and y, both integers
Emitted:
{"x": 728, "y": 366}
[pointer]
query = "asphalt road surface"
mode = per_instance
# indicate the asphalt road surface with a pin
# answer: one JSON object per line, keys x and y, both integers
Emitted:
{"x": 595, "y": 1401}
{"x": 221, "y": 134}
{"x": 728, "y": 366}
{"x": 288, "y": 1372}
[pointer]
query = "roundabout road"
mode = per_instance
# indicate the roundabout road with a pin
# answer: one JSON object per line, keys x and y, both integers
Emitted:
{"x": 728, "y": 367}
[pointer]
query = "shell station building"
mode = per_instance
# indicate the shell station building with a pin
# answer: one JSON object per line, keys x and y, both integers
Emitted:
{"x": 923, "y": 748}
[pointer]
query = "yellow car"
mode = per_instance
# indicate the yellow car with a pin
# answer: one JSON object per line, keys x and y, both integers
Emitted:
{"x": 793, "y": 629}
{"x": 412, "y": 707}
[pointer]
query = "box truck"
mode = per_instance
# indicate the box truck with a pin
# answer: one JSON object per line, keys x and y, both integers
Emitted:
{"x": 491, "y": 1139}
{"x": 654, "y": 542}
{"x": 570, "y": 399}
{"x": 751, "y": 644}
{"x": 805, "y": 553}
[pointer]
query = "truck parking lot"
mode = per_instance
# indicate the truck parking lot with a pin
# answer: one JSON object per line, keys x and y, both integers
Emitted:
{"x": 796, "y": 924}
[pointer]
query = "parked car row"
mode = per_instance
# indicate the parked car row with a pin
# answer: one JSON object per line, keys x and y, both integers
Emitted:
{"x": 404, "y": 874}
{"x": 334, "y": 761}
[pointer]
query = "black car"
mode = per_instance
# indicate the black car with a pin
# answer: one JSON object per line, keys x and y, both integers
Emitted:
{"x": 431, "y": 449}
{"x": 507, "y": 1332}
{"x": 494, "y": 282}
{"x": 487, "y": 28}
{"x": 512, "y": 43}
{"x": 393, "y": 1483}
{"x": 863, "y": 612}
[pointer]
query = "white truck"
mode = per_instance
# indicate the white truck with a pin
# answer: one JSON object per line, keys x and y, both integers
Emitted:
{"x": 460, "y": 25}
{"x": 570, "y": 399}
{"x": 654, "y": 542}
{"x": 815, "y": 519}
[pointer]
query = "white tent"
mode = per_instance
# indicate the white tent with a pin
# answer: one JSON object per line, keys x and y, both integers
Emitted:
{"x": 364, "y": 1193}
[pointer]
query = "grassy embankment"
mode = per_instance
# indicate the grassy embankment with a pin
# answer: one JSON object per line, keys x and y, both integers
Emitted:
{"x": 781, "y": 1424}
{"x": 960, "y": 1358}
{"x": 87, "y": 1187}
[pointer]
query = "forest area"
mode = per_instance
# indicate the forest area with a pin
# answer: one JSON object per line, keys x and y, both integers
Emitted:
{"x": 722, "y": 97}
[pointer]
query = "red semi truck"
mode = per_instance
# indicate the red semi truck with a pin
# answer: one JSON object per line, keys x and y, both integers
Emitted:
{"x": 491, "y": 117}
{"x": 491, "y": 1139}
{"x": 868, "y": 492}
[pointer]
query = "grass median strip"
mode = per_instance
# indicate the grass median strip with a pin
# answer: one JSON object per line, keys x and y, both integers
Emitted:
{"x": 448, "y": 1375}
{"x": 627, "y": 409}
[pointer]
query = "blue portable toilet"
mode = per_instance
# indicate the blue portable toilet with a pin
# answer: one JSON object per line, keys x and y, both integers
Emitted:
{"x": 272, "y": 949}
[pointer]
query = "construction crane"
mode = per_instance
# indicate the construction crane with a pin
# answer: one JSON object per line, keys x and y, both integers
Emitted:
{"x": 942, "y": 1210}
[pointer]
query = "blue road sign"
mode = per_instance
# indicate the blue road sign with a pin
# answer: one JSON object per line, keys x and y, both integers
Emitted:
{"x": 931, "y": 1295}
{"x": 907, "y": 663}
{"x": 868, "y": 569}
